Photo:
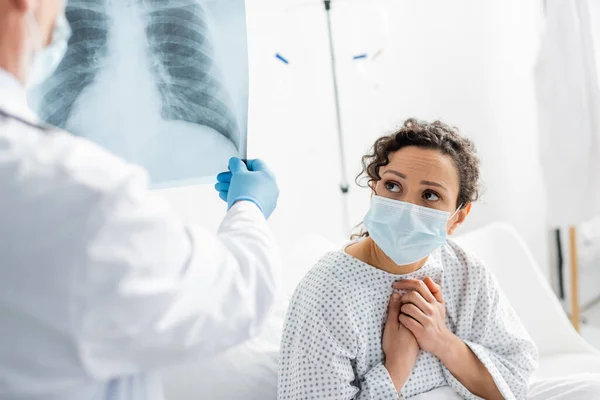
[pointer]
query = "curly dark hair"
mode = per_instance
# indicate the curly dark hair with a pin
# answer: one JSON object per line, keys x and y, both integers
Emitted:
{"x": 435, "y": 135}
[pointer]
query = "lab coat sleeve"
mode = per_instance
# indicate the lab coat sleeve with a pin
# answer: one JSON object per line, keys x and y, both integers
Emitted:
{"x": 318, "y": 346}
{"x": 154, "y": 291}
{"x": 498, "y": 338}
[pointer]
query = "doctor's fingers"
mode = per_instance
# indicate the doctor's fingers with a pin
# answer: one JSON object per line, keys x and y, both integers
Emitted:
{"x": 417, "y": 286}
{"x": 224, "y": 177}
{"x": 223, "y": 189}
{"x": 222, "y": 186}
{"x": 259, "y": 165}
{"x": 236, "y": 165}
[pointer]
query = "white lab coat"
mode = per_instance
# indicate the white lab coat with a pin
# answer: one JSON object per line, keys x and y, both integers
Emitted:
{"x": 100, "y": 283}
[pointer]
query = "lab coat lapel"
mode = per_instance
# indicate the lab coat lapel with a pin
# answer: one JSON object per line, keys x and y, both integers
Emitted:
{"x": 13, "y": 98}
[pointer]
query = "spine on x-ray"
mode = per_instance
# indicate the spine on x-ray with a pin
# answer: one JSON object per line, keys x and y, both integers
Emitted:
{"x": 85, "y": 55}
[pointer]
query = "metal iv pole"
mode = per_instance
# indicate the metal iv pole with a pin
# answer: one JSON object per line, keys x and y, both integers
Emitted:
{"x": 344, "y": 185}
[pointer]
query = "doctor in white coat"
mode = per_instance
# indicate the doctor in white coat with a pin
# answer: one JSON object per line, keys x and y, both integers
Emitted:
{"x": 100, "y": 283}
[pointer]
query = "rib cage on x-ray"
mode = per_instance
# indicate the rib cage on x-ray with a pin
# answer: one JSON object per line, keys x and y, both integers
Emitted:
{"x": 190, "y": 88}
{"x": 87, "y": 51}
{"x": 181, "y": 61}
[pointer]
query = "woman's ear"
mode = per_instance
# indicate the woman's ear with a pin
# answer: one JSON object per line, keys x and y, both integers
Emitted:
{"x": 372, "y": 185}
{"x": 459, "y": 218}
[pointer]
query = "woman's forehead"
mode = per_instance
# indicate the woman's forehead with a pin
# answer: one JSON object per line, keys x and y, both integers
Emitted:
{"x": 423, "y": 164}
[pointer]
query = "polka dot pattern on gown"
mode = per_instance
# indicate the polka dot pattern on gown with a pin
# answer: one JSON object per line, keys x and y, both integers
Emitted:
{"x": 331, "y": 344}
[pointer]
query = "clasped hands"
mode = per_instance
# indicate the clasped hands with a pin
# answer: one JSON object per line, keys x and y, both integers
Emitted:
{"x": 416, "y": 320}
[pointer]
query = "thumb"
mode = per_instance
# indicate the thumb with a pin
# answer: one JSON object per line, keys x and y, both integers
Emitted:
{"x": 435, "y": 289}
{"x": 236, "y": 165}
{"x": 394, "y": 309}
{"x": 257, "y": 165}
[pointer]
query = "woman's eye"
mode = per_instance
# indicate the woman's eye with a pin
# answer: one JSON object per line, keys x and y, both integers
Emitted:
{"x": 431, "y": 196}
{"x": 392, "y": 187}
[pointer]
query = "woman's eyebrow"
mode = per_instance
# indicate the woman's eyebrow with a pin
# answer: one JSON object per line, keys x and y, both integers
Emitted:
{"x": 430, "y": 183}
{"x": 391, "y": 171}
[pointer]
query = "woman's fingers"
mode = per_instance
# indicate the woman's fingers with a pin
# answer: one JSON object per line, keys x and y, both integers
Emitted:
{"x": 416, "y": 286}
{"x": 434, "y": 288}
{"x": 411, "y": 324}
{"x": 394, "y": 310}
{"x": 414, "y": 312}
{"x": 417, "y": 300}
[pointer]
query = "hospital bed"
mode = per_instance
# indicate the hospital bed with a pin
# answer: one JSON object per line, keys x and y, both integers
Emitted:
{"x": 249, "y": 371}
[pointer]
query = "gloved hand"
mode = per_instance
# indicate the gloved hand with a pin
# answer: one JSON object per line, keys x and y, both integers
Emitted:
{"x": 253, "y": 182}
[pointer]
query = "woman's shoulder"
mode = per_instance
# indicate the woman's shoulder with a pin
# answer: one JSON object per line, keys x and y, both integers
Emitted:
{"x": 320, "y": 297}
{"x": 455, "y": 259}
{"x": 465, "y": 275}
{"x": 323, "y": 277}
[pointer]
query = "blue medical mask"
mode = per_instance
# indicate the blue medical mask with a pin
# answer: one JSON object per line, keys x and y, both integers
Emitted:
{"x": 46, "y": 59}
{"x": 404, "y": 231}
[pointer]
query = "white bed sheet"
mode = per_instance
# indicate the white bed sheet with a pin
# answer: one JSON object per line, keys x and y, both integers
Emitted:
{"x": 574, "y": 387}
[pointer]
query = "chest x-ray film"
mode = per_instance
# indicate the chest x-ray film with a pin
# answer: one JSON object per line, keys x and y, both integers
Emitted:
{"x": 161, "y": 83}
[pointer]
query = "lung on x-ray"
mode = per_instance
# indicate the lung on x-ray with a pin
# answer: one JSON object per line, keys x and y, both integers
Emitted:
{"x": 161, "y": 83}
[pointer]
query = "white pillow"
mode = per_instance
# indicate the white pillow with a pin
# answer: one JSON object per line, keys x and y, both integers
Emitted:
{"x": 248, "y": 371}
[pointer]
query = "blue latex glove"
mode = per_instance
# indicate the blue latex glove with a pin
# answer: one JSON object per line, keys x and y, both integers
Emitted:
{"x": 251, "y": 181}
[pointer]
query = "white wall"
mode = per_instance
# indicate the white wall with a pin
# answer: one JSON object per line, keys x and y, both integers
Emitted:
{"x": 468, "y": 63}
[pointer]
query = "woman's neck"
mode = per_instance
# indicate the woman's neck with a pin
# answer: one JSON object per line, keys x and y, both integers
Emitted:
{"x": 368, "y": 252}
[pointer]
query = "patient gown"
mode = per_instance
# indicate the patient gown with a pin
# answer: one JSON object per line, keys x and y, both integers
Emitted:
{"x": 331, "y": 344}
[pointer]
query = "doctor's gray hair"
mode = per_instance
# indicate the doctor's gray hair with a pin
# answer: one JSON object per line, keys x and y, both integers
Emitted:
{"x": 429, "y": 135}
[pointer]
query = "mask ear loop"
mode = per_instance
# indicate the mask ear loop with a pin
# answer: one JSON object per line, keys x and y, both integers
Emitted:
{"x": 456, "y": 212}
{"x": 35, "y": 35}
